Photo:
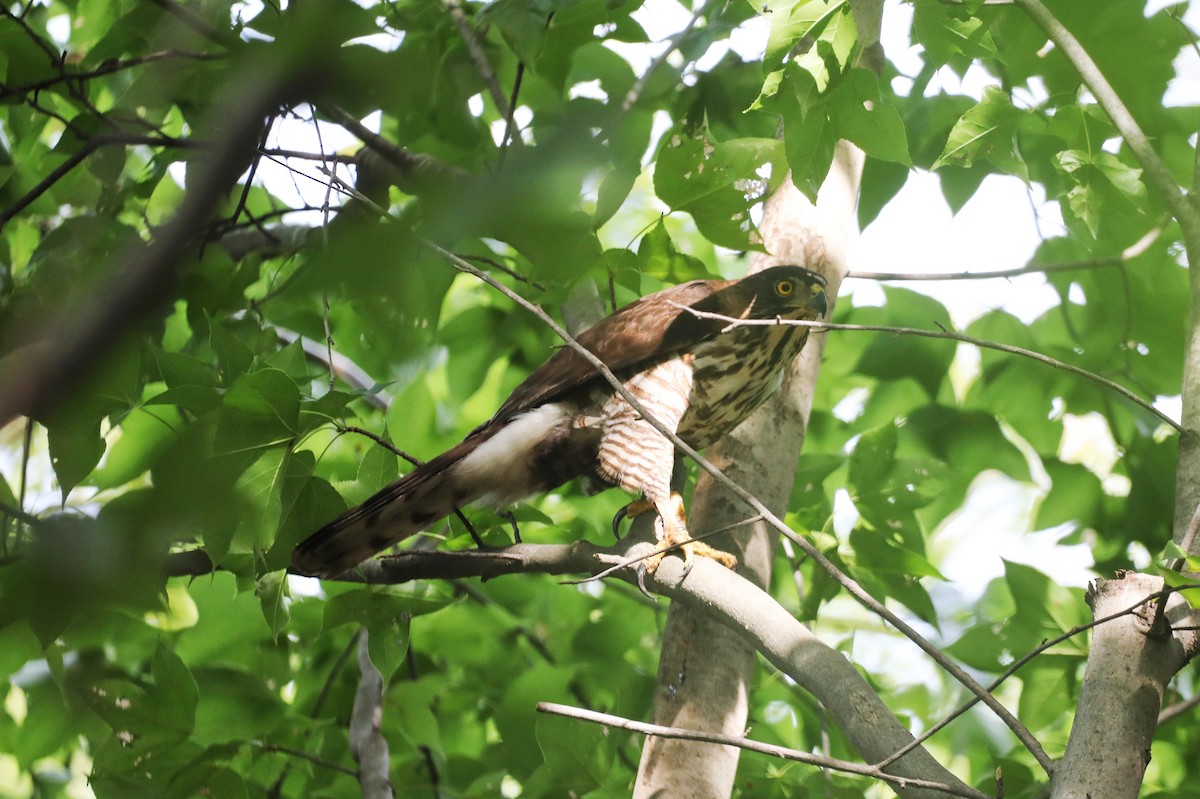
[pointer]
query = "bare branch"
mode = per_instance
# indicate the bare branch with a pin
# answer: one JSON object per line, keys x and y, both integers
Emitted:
{"x": 728, "y": 597}
{"x": 1128, "y": 254}
{"x": 45, "y": 184}
{"x": 1172, "y": 712}
{"x": 483, "y": 66}
{"x": 781, "y": 752}
{"x": 367, "y": 744}
{"x": 108, "y": 68}
{"x": 949, "y": 336}
{"x": 1157, "y": 173}
{"x": 67, "y": 344}
{"x": 852, "y": 586}
{"x": 300, "y": 753}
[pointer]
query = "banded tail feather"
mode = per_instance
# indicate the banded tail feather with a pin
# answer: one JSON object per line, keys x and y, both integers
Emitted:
{"x": 406, "y": 507}
{"x": 499, "y": 463}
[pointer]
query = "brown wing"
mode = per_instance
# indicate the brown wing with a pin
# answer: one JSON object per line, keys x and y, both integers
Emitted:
{"x": 641, "y": 333}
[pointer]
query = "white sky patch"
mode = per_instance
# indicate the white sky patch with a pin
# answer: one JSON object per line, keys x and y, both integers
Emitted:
{"x": 917, "y": 233}
{"x": 993, "y": 525}
{"x": 590, "y": 89}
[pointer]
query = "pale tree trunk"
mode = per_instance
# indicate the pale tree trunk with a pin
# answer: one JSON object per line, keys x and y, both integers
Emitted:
{"x": 1133, "y": 657}
{"x": 1130, "y": 662}
{"x": 706, "y": 669}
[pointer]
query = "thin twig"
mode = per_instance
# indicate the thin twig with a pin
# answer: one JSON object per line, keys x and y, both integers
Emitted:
{"x": 108, "y": 68}
{"x": 852, "y": 586}
{"x": 58, "y": 173}
{"x": 320, "y": 761}
{"x": 381, "y": 441}
{"x": 949, "y": 336}
{"x": 480, "y": 60}
{"x": 1172, "y": 712}
{"x": 749, "y": 745}
{"x": 1014, "y": 668}
{"x": 1156, "y": 171}
{"x": 1128, "y": 254}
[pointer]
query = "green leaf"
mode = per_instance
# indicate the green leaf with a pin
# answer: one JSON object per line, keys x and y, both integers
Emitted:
{"x": 951, "y": 34}
{"x": 888, "y": 357}
{"x": 658, "y": 258}
{"x": 861, "y": 116}
{"x": 987, "y": 132}
{"x": 145, "y": 433}
{"x": 872, "y": 459}
{"x": 76, "y": 446}
{"x": 259, "y": 410}
{"x": 272, "y": 590}
{"x": 175, "y": 694}
{"x": 793, "y": 20}
{"x": 715, "y": 182}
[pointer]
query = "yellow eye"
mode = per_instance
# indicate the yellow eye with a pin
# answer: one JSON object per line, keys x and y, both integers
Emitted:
{"x": 785, "y": 288}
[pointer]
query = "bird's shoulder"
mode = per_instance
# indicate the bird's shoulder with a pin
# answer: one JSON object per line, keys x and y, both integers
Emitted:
{"x": 641, "y": 333}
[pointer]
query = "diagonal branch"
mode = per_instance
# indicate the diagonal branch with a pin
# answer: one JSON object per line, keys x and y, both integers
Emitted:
{"x": 852, "y": 586}
{"x": 1157, "y": 173}
{"x": 781, "y": 752}
{"x": 67, "y": 344}
{"x": 1012, "y": 349}
{"x": 1120, "y": 259}
{"x": 726, "y": 596}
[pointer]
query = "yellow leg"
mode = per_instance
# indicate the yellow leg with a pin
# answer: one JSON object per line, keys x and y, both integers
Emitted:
{"x": 673, "y": 532}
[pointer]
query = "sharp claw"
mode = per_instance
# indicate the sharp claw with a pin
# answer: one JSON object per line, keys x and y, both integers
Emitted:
{"x": 640, "y": 570}
{"x": 619, "y": 517}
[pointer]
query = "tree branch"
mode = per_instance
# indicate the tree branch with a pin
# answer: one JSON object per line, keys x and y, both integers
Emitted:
{"x": 725, "y": 595}
{"x": 781, "y": 752}
{"x": 1128, "y": 254}
{"x": 45, "y": 184}
{"x": 948, "y": 336}
{"x": 68, "y": 344}
{"x": 852, "y": 586}
{"x": 367, "y": 744}
{"x": 1157, "y": 173}
{"x": 1128, "y": 669}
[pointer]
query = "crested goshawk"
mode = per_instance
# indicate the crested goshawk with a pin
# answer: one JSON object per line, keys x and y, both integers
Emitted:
{"x": 698, "y": 374}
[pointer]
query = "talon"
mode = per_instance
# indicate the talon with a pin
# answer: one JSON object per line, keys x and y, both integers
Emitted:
{"x": 641, "y": 570}
{"x": 674, "y": 532}
{"x": 630, "y": 511}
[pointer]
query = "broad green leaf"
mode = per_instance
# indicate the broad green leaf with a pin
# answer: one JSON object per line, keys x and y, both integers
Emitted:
{"x": 145, "y": 433}
{"x": 658, "y": 258}
{"x": 715, "y": 182}
{"x": 861, "y": 116}
{"x": 893, "y": 357}
{"x": 793, "y": 20}
{"x": 259, "y": 410}
{"x": 987, "y": 132}
{"x": 951, "y": 34}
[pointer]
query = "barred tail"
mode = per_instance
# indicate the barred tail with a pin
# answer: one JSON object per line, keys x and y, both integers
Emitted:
{"x": 412, "y": 503}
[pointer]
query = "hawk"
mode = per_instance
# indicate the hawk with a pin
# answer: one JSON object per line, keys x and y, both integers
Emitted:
{"x": 675, "y": 350}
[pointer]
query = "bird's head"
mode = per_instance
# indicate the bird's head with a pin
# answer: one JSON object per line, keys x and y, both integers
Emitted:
{"x": 787, "y": 292}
